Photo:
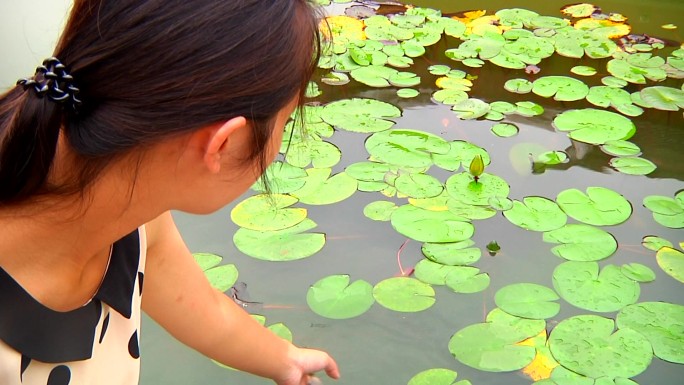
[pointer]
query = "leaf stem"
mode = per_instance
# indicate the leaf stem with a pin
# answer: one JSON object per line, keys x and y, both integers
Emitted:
{"x": 401, "y": 268}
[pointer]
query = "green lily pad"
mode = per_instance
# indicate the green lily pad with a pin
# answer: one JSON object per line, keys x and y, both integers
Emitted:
{"x": 603, "y": 96}
{"x": 502, "y": 107}
{"x": 563, "y": 87}
{"x": 404, "y": 79}
{"x": 334, "y": 297}
{"x": 599, "y": 207}
{"x": 663, "y": 98}
{"x": 436, "y": 273}
{"x": 667, "y": 211}
{"x": 450, "y": 96}
{"x": 460, "y": 153}
{"x": 536, "y": 214}
{"x": 281, "y": 245}
{"x": 633, "y": 165}
{"x": 470, "y": 211}
{"x": 407, "y": 93}
{"x": 404, "y": 294}
{"x": 410, "y": 148}
{"x": 320, "y": 153}
{"x": 282, "y": 178}
{"x": 636, "y": 71}
{"x": 379, "y": 210}
{"x": 335, "y": 79}
{"x": 528, "y": 300}
{"x": 417, "y": 185}
{"x": 500, "y": 203}
{"x": 206, "y": 260}
{"x": 452, "y": 254}
{"x": 581, "y": 285}
{"x": 516, "y": 17}
{"x": 360, "y": 115}
{"x": 672, "y": 262}
{"x": 222, "y": 277}
{"x": 654, "y": 243}
{"x": 620, "y": 148}
{"x": 594, "y": 126}
{"x": 473, "y": 63}
{"x": 437, "y": 376}
{"x": 590, "y": 346}
{"x": 267, "y": 212}
{"x": 578, "y": 242}
{"x": 583, "y": 70}
{"x": 467, "y": 280}
{"x": 430, "y": 226}
{"x": 551, "y": 157}
{"x": 661, "y": 323}
{"x": 323, "y": 189}
{"x": 519, "y": 86}
{"x": 462, "y": 187}
{"x": 471, "y": 109}
{"x": 638, "y": 272}
{"x": 528, "y": 109}
{"x": 505, "y": 130}
{"x": 368, "y": 171}
{"x": 439, "y": 69}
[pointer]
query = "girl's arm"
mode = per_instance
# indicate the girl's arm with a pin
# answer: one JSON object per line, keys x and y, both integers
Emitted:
{"x": 179, "y": 297}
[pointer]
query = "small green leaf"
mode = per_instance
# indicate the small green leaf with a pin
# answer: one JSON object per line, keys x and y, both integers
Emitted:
{"x": 583, "y": 70}
{"x": 379, "y": 210}
{"x": 638, "y": 272}
{"x": 518, "y": 86}
{"x": 672, "y": 262}
{"x": 407, "y": 93}
{"x": 600, "y": 206}
{"x": 633, "y": 165}
{"x": 334, "y": 297}
{"x": 434, "y": 377}
{"x": 404, "y": 294}
{"x": 536, "y": 214}
{"x": 579, "y": 242}
{"x": 661, "y": 323}
{"x": 654, "y": 243}
{"x": 528, "y": 300}
{"x": 505, "y": 130}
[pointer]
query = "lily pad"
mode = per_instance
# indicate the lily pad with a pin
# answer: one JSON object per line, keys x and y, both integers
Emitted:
{"x": 578, "y": 242}
{"x": 206, "y": 260}
{"x": 407, "y": 93}
{"x": 222, "y": 277}
{"x": 334, "y": 297}
{"x": 404, "y": 294}
{"x": 518, "y": 86}
{"x": 672, "y": 262}
{"x": 528, "y": 109}
{"x": 563, "y": 87}
{"x": 590, "y": 346}
{"x": 267, "y": 212}
{"x": 379, "y": 210}
{"x": 410, "y": 148}
{"x": 323, "y": 189}
{"x": 528, "y": 300}
{"x": 654, "y": 243}
{"x": 583, "y": 70}
{"x": 594, "y": 126}
{"x": 581, "y": 285}
{"x": 460, "y": 153}
{"x": 661, "y": 323}
{"x": 281, "y": 245}
{"x": 437, "y": 376}
{"x": 436, "y": 273}
{"x": 637, "y": 71}
{"x": 667, "y": 211}
{"x": 536, "y": 214}
{"x": 452, "y": 254}
{"x": 462, "y": 187}
{"x": 417, "y": 185}
{"x": 360, "y": 115}
{"x": 430, "y": 226}
{"x": 320, "y": 153}
{"x": 663, "y": 98}
{"x": 638, "y": 272}
{"x": 633, "y": 165}
{"x": 467, "y": 280}
{"x": 282, "y": 178}
{"x": 505, "y": 130}
{"x": 620, "y": 148}
{"x": 599, "y": 207}
{"x": 404, "y": 79}
{"x": 439, "y": 69}
{"x": 471, "y": 109}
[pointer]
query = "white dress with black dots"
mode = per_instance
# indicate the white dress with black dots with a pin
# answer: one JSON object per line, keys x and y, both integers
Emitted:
{"x": 96, "y": 344}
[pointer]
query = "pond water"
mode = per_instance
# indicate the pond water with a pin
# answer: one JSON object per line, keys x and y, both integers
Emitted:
{"x": 383, "y": 346}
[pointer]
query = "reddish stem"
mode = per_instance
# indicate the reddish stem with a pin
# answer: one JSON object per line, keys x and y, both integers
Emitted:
{"x": 401, "y": 268}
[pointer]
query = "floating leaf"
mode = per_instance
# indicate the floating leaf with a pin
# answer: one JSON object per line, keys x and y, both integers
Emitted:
{"x": 379, "y": 210}
{"x": 467, "y": 280}
{"x": 663, "y": 98}
{"x": 518, "y": 86}
{"x": 470, "y": 211}
{"x": 435, "y": 376}
{"x": 430, "y": 226}
{"x": 360, "y": 115}
{"x": 528, "y": 109}
{"x": 335, "y": 79}
{"x": 527, "y": 300}
{"x": 267, "y": 212}
{"x": 505, "y": 130}
{"x": 206, "y": 260}
{"x": 404, "y": 79}
{"x": 404, "y": 294}
{"x": 583, "y": 70}
{"x": 564, "y": 88}
{"x": 282, "y": 178}
{"x": 452, "y": 254}
{"x": 471, "y": 109}
{"x": 638, "y": 272}
{"x": 672, "y": 262}
{"x": 580, "y": 242}
{"x": 668, "y": 26}
{"x": 323, "y": 189}
{"x": 407, "y": 93}
{"x": 536, "y": 214}
{"x": 436, "y": 273}
{"x": 661, "y": 323}
{"x": 588, "y": 345}
{"x": 579, "y": 10}
{"x": 594, "y": 126}
{"x": 320, "y": 153}
{"x": 368, "y": 171}
{"x": 633, "y": 165}
{"x": 460, "y": 153}
{"x": 462, "y": 187}
{"x": 222, "y": 277}
{"x": 620, "y": 148}
{"x": 581, "y": 285}
{"x": 334, "y": 297}
{"x": 417, "y": 185}
{"x": 552, "y": 157}
{"x": 613, "y": 82}
{"x": 654, "y": 243}
{"x": 282, "y": 245}
{"x": 599, "y": 207}
{"x": 439, "y": 69}
{"x": 637, "y": 71}
{"x": 667, "y": 211}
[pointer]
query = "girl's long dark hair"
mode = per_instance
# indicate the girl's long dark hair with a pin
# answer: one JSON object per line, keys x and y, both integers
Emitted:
{"x": 149, "y": 69}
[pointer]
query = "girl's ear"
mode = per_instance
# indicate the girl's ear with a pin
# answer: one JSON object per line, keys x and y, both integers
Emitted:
{"x": 218, "y": 140}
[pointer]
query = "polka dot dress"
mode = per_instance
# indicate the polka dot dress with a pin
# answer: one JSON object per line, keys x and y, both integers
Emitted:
{"x": 96, "y": 344}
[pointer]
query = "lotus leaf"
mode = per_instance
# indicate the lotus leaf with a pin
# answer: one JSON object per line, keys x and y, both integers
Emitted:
{"x": 530, "y": 49}
{"x": 633, "y": 165}
{"x": 407, "y": 93}
{"x": 410, "y": 148}
{"x": 661, "y": 323}
{"x": 404, "y": 294}
{"x": 667, "y": 211}
{"x": 581, "y": 285}
{"x": 222, "y": 277}
{"x": 454, "y": 28}
{"x": 654, "y": 243}
{"x": 580, "y": 242}
{"x": 603, "y": 96}
{"x": 436, "y": 203}
{"x": 360, "y": 115}
{"x": 518, "y": 86}
{"x": 267, "y": 212}
{"x": 462, "y": 187}
{"x": 467, "y": 280}
{"x": 548, "y": 22}
{"x": 672, "y": 262}
{"x": 505, "y": 130}
{"x": 430, "y": 226}
{"x": 435, "y": 376}
{"x": 590, "y": 346}
{"x": 507, "y": 59}
{"x": 407, "y": 20}
{"x": 620, "y": 148}
{"x": 623, "y": 69}
{"x": 583, "y": 70}
{"x": 281, "y": 245}
{"x": 638, "y": 272}
{"x": 334, "y": 297}
{"x": 494, "y": 116}
{"x": 323, "y": 189}
{"x": 562, "y": 376}
{"x": 471, "y": 109}
{"x": 370, "y": 186}
{"x": 528, "y": 109}
{"x": 387, "y": 32}
{"x": 527, "y": 300}
{"x": 426, "y": 36}
{"x": 663, "y": 98}
{"x": 594, "y": 126}
{"x": 417, "y": 185}
{"x": 536, "y": 214}
{"x": 460, "y": 152}
{"x": 379, "y": 210}
{"x": 452, "y": 254}
{"x": 487, "y": 46}
{"x": 564, "y": 88}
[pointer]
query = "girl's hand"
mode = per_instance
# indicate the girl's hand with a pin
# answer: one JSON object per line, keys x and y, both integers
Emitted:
{"x": 305, "y": 362}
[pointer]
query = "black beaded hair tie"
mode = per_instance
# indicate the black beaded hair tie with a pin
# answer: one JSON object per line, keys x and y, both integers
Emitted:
{"x": 52, "y": 80}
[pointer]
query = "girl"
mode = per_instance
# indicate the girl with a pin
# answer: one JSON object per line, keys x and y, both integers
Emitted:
{"x": 148, "y": 106}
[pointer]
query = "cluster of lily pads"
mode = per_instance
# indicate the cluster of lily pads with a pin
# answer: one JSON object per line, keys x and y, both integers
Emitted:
{"x": 375, "y": 51}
